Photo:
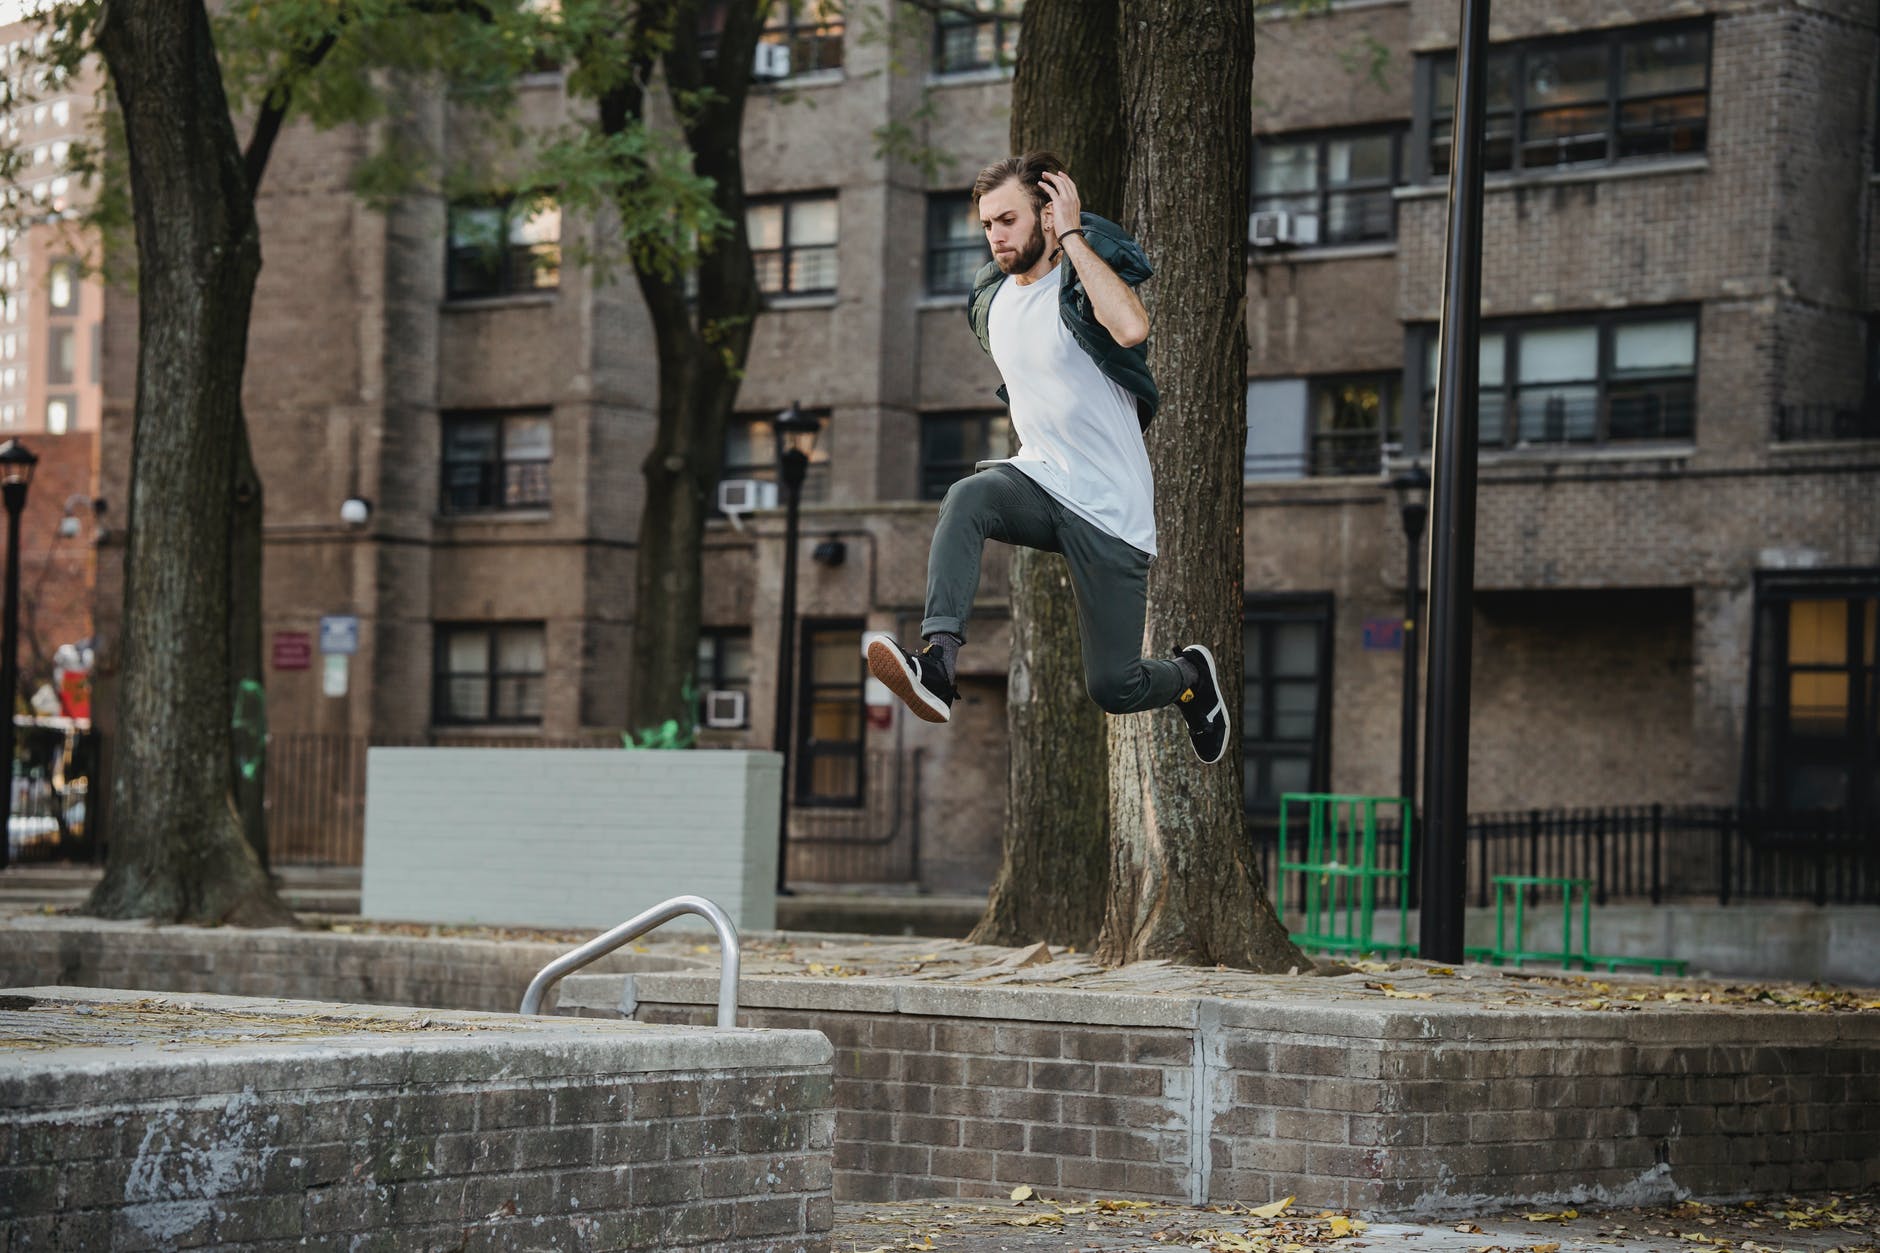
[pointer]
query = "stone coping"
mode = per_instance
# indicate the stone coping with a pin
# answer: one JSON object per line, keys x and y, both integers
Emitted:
{"x": 145, "y": 1045}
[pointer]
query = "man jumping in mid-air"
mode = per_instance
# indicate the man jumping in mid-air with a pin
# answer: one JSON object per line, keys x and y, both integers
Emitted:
{"x": 1056, "y": 310}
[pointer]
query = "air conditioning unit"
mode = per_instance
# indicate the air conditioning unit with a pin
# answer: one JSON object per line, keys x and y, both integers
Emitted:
{"x": 736, "y": 496}
{"x": 1276, "y": 228}
{"x": 772, "y": 61}
{"x": 724, "y": 707}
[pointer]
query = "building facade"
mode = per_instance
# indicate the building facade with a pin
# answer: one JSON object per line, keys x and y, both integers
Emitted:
{"x": 1678, "y": 554}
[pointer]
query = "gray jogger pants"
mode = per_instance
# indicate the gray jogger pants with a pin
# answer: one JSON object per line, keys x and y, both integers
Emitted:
{"x": 1109, "y": 576}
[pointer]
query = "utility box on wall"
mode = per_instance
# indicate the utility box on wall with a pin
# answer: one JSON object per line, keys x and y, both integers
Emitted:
{"x": 568, "y": 837}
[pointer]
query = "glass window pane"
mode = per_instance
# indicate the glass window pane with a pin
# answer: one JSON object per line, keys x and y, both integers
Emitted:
{"x": 467, "y": 652}
{"x": 1653, "y": 64}
{"x": 521, "y": 650}
{"x": 1358, "y": 215}
{"x": 735, "y": 658}
{"x": 1569, "y": 353}
{"x": 764, "y": 224}
{"x": 1655, "y": 347}
{"x": 1289, "y": 774}
{"x": 1818, "y": 633}
{"x": 813, "y": 221}
{"x": 946, "y": 439}
{"x": 1660, "y": 126}
{"x": 1818, "y": 703}
{"x": 1295, "y": 649}
{"x": 528, "y": 438}
{"x": 1295, "y": 709}
{"x": 476, "y": 226}
{"x": 540, "y": 226}
{"x": 1284, "y": 168}
{"x": 1564, "y": 136}
{"x": 836, "y": 657}
{"x": 470, "y": 440}
{"x": 836, "y": 721}
{"x": 951, "y": 219}
{"x": 518, "y": 699}
{"x": 1489, "y": 370}
{"x": 812, "y": 269}
{"x": 1559, "y": 414}
{"x": 1361, "y": 159}
{"x": 1566, "y": 74}
{"x": 467, "y": 699}
{"x": 834, "y": 775}
{"x": 1276, "y": 429}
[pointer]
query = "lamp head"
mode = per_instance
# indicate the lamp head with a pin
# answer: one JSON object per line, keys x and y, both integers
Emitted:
{"x": 16, "y": 463}
{"x": 355, "y": 511}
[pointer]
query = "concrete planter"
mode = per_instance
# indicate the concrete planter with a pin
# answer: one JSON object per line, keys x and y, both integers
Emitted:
{"x": 568, "y": 837}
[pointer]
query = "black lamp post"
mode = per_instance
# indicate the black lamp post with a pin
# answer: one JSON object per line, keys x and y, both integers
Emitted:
{"x": 16, "y": 475}
{"x": 796, "y": 439}
{"x": 1452, "y": 511}
{"x": 1413, "y": 499}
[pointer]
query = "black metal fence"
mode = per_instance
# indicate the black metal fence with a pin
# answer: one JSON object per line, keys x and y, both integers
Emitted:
{"x": 1649, "y": 853}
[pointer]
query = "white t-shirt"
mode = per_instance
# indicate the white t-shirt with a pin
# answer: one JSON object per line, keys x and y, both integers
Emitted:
{"x": 1079, "y": 436}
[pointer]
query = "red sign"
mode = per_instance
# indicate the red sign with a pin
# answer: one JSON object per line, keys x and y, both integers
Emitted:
{"x": 293, "y": 650}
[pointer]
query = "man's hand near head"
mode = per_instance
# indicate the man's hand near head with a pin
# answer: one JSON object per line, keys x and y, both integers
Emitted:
{"x": 1114, "y": 303}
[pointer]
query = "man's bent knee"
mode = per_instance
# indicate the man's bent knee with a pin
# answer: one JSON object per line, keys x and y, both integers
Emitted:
{"x": 1113, "y": 693}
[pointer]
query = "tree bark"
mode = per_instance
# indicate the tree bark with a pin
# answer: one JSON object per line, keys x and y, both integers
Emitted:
{"x": 177, "y": 848}
{"x": 1181, "y": 884}
{"x": 1066, "y": 97}
{"x": 701, "y": 351}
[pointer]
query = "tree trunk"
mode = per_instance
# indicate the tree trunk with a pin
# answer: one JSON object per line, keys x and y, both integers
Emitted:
{"x": 1182, "y": 886}
{"x": 701, "y": 352}
{"x": 1066, "y": 97}
{"x": 177, "y": 848}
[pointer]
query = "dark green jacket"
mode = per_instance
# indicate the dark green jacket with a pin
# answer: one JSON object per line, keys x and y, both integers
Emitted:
{"x": 1127, "y": 367}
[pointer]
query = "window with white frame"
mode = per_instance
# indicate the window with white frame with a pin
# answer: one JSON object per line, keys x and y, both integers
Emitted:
{"x": 793, "y": 243}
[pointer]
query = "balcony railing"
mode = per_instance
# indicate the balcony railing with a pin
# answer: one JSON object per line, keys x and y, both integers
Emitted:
{"x": 1801, "y": 423}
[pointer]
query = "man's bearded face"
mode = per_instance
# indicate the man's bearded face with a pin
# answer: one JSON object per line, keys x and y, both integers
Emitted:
{"x": 1028, "y": 252}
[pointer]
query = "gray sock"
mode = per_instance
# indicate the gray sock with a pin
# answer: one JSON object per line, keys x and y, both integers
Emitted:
{"x": 1191, "y": 672}
{"x": 947, "y": 646}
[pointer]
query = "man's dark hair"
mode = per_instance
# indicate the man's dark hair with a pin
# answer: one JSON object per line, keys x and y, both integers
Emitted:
{"x": 1028, "y": 169}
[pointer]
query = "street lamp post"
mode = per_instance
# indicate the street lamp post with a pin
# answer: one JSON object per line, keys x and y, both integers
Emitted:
{"x": 16, "y": 475}
{"x": 1412, "y": 488}
{"x": 1452, "y": 510}
{"x": 796, "y": 438}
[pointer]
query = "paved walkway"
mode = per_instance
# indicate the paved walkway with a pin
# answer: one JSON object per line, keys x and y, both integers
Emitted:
{"x": 1812, "y": 1224}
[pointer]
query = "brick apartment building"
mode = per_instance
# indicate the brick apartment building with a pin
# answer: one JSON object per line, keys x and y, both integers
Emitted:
{"x": 51, "y": 317}
{"x": 1679, "y": 536}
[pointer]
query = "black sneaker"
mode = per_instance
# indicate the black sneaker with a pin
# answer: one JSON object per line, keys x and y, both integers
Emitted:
{"x": 917, "y": 678}
{"x": 1203, "y": 707}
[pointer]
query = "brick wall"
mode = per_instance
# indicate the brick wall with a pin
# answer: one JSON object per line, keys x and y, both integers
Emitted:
{"x": 1416, "y": 1111}
{"x": 494, "y": 1133}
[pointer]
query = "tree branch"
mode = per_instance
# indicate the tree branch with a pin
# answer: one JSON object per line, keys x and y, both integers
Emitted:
{"x": 275, "y": 103}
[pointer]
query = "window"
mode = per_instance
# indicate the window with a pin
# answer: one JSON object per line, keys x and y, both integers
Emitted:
{"x": 490, "y": 673}
{"x": 1591, "y": 380}
{"x": 1336, "y": 187}
{"x": 724, "y": 664}
{"x": 963, "y": 43}
{"x": 829, "y": 715}
{"x": 10, "y": 346}
{"x": 1285, "y": 706}
{"x": 956, "y": 245}
{"x": 59, "y": 414}
{"x": 751, "y": 453}
{"x": 496, "y": 461}
{"x": 1334, "y": 425}
{"x": 61, "y": 354}
{"x": 1587, "y": 99}
{"x": 952, "y": 443}
{"x": 793, "y": 244}
{"x": 62, "y": 287}
{"x": 1814, "y": 709}
{"x": 503, "y": 246}
{"x": 811, "y": 29}
{"x": 61, "y": 112}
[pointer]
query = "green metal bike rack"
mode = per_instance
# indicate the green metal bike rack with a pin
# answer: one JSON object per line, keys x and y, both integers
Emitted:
{"x": 1341, "y": 871}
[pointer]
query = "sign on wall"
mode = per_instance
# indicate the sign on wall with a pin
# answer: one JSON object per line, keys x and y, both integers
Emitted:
{"x": 293, "y": 650}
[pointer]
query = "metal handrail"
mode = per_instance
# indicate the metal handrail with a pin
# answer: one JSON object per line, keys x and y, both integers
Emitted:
{"x": 632, "y": 929}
